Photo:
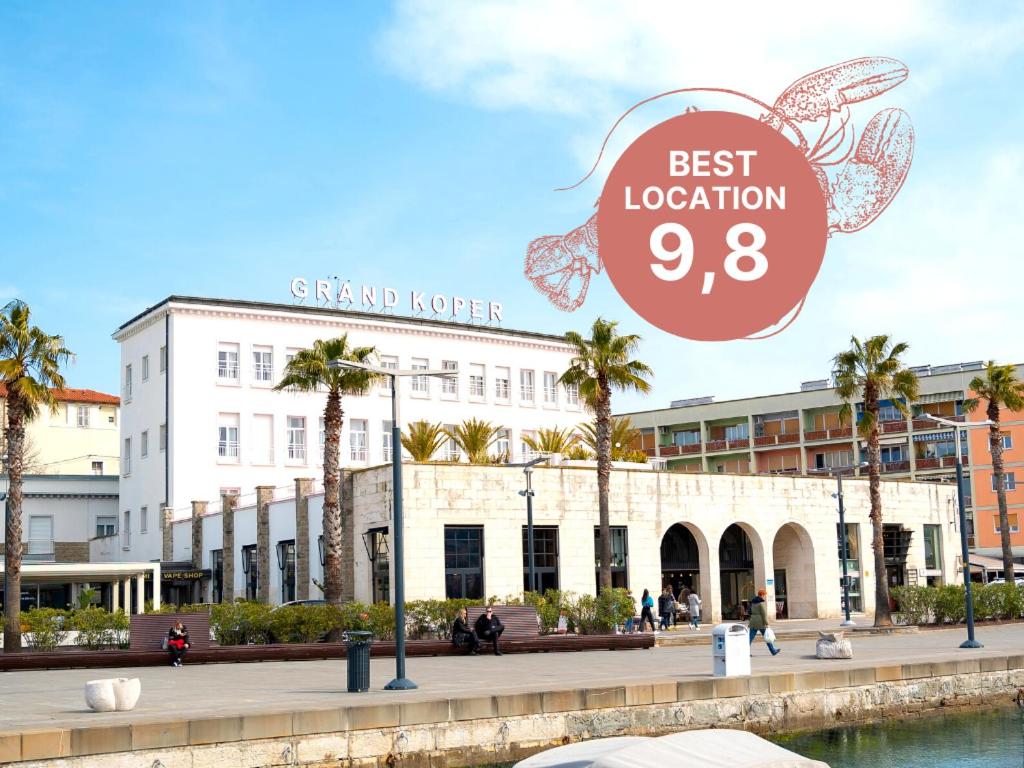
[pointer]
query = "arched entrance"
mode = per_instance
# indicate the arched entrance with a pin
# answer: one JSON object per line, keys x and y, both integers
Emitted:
{"x": 680, "y": 559}
{"x": 736, "y": 569}
{"x": 795, "y": 582}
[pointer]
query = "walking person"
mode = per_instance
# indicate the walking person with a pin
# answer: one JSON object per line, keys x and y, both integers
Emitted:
{"x": 759, "y": 621}
{"x": 665, "y": 603}
{"x": 694, "y": 603}
{"x": 646, "y": 608}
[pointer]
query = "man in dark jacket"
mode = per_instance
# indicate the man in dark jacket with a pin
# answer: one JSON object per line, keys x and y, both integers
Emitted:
{"x": 489, "y": 628}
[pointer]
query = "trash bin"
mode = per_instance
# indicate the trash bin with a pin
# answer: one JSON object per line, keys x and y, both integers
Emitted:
{"x": 730, "y": 648}
{"x": 358, "y": 656}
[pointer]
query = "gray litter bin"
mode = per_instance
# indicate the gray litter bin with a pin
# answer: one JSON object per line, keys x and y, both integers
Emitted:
{"x": 358, "y": 656}
{"x": 730, "y": 649}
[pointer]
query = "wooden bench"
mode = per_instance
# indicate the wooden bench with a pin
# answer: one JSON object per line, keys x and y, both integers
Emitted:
{"x": 148, "y": 630}
{"x": 520, "y": 621}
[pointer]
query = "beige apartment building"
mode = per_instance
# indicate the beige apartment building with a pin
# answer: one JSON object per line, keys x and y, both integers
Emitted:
{"x": 79, "y": 438}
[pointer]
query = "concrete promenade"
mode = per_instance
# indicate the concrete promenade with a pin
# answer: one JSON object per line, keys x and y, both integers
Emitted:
{"x": 53, "y": 699}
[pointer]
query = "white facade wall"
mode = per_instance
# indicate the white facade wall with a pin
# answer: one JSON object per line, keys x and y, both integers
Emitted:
{"x": 201, "y": 401}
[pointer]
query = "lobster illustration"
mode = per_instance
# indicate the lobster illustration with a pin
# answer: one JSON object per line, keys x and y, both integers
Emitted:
{"x": 859, "y": 178}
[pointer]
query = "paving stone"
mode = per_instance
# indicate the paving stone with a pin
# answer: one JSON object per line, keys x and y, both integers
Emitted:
{"x": 416, "y": 712}
{"x": 665, "y": 693}
{"x": 562, "y": 701}
{"x": 996, "y": 664}
{"x": 914, "y": 671}
{"x": 171, "y": 733}
{"x": 639, "y": 695}
{"x": 783, "y": 683}
{"x": 888, "y": 674}
{"x": 10, "y": 748}
{"x": 312, "y": 721}
{"x": 604, "y": 698}
{"x": 271, "y": 726}
{"x": 727, "y": 687}
{"x": 216, "y": 730}
{"x": 695, "y": 690}
{"x": 379, "y": 716}
{"x": 39, "y": 745}
{"x": 516, "y": 704}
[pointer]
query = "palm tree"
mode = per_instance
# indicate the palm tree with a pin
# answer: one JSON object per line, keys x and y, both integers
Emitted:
{"x": 311, "y": 371}
{"x": 623, "y": 436}
{"x": 30, "y": 362}
{"x": 872, "y": 370}
{"x": 475, "y": 437}
{"x": 423, "y": 439}
{"x": 599, "y": 365}
{"x": 551, "y": 440}
{"x": 1001, "y": 388}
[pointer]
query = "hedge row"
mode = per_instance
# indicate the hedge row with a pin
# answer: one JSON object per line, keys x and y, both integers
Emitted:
{"x": 46, "y": 628}
{"x": 948, "y": 605}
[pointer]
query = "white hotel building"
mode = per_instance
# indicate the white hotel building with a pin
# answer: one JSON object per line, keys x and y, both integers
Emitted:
{"x": 200, "y": 417}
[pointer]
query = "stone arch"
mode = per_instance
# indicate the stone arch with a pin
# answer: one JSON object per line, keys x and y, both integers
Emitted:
{"x": 741, "y": 566}
{"x": 686, "y": 561}
{"x": 796, "y": 584}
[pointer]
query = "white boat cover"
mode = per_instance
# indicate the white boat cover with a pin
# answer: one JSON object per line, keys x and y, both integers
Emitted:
{"x": 714, "y": 748}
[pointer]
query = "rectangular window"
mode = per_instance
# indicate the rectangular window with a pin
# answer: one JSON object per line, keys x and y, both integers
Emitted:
{"x": 263, "y": 365}
{"x": 525, "y": 450}
{"x": 163, "y": 437}
{"x": 385, "y": 440}
{"x": 889, "y": 413}
{"x": 464, "y": 562}
{"x": 545, "y": 558}
{"x": 380, "y": 564}
{"x": 143, "y": 519}
{"x": 737, "y": 432}
{"x": 97, "y": 467}
{"x": 420, "y": 384}
{"x": 296, "y": 438}
{"x": 450, "y": 384}
{"x": 126, "y": 530}
{"x": 933, "y": 547}
{"x": 620, "y": 555}
{"x": 550, "y": 388}
{"x": 503, "y": 445}
{"x": 833, "y": 459}
{"x": 163, "y": 359}
{"x": 40, "y": 538}
{"x": 105, "y": 526}
{"x": 227, "y": 363}
{"x": 1012, "y": 519}
{"x": 128, "y": 382}
{"x": 83, "y": 416}
{"x": 686, "y": 437}
{"x": 1007, "y": 442}
{"x": 145, "y": 367}
{"x": 572, "y": 394}
{"x": 391, "y": 363}
{"x": 144, "y": 443}
{"x": 263, "y": 439}
{"x": 286, "y": 562}
{"x": 227, "y": 437}
{"x": 251, "y": 569}
{"x": 126, "y": 457}
{"x": 451, "y": 448}
{"x": 502, "y": 384}
{"x": 477, "y": 381}
{"x": 1009, "y": 481}
{"x": 357, "y": 439}
{"x": 216, "y": 575}
{"x": 526, "y": 392}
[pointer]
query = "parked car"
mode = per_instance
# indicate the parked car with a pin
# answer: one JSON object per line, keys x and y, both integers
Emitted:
{"x": 1019, "y": 581}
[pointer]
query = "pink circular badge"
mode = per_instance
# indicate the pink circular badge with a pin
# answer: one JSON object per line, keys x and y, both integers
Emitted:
{"x": 712, "y": 226}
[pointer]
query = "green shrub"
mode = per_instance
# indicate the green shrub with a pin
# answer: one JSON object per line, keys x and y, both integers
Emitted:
{"x": 242, "y": 622}
{"x": 303, "y": 623}
{"x": 950, "y": 604}
{"x": 916, "y": 604}
{"x": 47, "y": 628}
{"x": 98, "y": 629}
{"x": 381, "y": 621}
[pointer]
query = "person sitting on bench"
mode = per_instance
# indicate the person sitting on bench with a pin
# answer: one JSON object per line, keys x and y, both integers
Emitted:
{"x": 177, "y": 643}
{"x": 463, "y": 635}
{"x": 489, "y": 628}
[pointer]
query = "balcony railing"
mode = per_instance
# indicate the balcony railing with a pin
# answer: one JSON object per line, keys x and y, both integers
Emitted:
{"x": 836, "y": 433}
{"x": 38, "y": 551}
{"x": 890, "y": 427}
{"x": 928, "y": 463}
{"x": 772, "y": 440}
{"x": 741, "y": 442}
{"x": 890, "y": 467}
{"x": 716, "y": 445}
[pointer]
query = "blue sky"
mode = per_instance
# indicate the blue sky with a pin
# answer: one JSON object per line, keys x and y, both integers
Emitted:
{"x": 219, "y": 149}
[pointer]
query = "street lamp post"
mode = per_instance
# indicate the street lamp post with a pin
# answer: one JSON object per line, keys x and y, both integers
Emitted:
{"x": 970, "y": 642}
{"x": 528, "y": 493}
{"x": 401, "y": 682}
{"x": 843, "y": 554}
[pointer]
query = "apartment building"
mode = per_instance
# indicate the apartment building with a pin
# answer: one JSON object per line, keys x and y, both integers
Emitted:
{"x": 801, "y": 432}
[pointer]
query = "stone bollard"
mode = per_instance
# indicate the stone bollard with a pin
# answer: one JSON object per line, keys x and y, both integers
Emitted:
{"x": 119, "y": 694}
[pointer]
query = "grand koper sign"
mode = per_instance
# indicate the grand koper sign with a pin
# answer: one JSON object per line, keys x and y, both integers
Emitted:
{"x": 343, "y": 295}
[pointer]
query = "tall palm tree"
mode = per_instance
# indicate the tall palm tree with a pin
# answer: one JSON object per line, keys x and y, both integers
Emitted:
{"x": 475, "y": 437}
{"x": 310, "y": 371}
{"x": 30, "y": 361}
{"x": 599, "y": 365}
{"x": 872, "y": 370}
{"x": 623, "y": 436}
{"x": 1001, "y": 388}
{"x": 423, "y": 439}
{"x": 551, "y": 440}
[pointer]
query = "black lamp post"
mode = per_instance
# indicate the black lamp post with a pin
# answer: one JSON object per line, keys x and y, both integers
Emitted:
{"x": 401, "y": 682}
{"x": 528, "y": 493}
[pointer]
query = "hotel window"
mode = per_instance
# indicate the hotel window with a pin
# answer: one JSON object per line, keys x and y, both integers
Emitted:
{"x": 1011, "y": 518}
{"x": 163, "y": 359}
{"x": 933, "y": 547}
{"x": 420, "y": 384}
{"x": 545, "y": 558}
{"x": 385, "y": 440}
{"x": 391, "y": 363}
{"x": 143, "y": 519}
{"x": 126, "y": 457}
{"x": 83, "y": 416}
{"x": 286, "y": 562}
{"x": 262, "y": 439}
{"x": 450, "y": 384}
{"x": 451, "y": 448}
{"x": 737, "y": 432}
{"x": 503, "y": 445}
{"x": 620, "y": 556}
{"x": 550, "y": 387}
{"x": 128, "y": 382}
{"x": 572, "y": 394}
{"x": 524, "y": 447}
{"x": 106, "y": 526}
{"x": 296, "y": 438}
{"x": 145, "y": 367}
{"x": 126, "y": 530}
{"x": 526, "y": 393}
{"x": 357, "y": 439}
{"x": 464, "y": 562}
{"x": 477, "y": 381}
{"x": 227, "y": 363}
{"x": 217, "y": 575}
{"x": 163, "y": 437}
{"x": 263, "y": 365}
{"x": 502, "y": 384}
{"x": 833, "y": 459}
{"x": 97, "y": 467}
{"x": 889, "y": 413}
{"x": 144, "y": 444}
{"x": 687, "y": 437}
{"x": 1009, "y": 481}
{"x": 1007, "y": 441}
{"x": 227, "y": 437}
{"x": 251, "y": 569}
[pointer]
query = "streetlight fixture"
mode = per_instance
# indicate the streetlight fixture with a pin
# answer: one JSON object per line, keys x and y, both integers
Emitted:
{"x": 970, "y": 642}
{"x": 528, "y": 493}
{"x": 837, "y": 472}
{"x": 401, "y": 682}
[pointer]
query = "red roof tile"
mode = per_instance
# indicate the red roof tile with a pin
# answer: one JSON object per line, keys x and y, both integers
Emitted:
{"x": 77, "y": 396}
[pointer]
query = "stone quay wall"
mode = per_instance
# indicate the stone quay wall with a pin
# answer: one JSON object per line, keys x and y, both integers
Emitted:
{"x": 490, "y": 729}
